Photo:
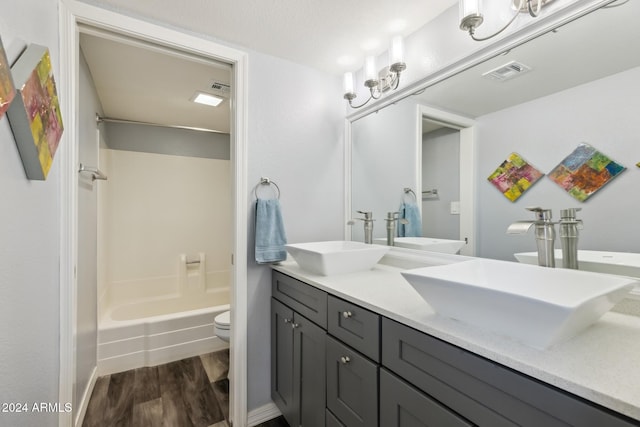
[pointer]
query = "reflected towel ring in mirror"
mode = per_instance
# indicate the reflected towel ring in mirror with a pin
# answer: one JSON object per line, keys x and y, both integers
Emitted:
{"x": 268, "y": 182}
{"x": 407, "y": 190}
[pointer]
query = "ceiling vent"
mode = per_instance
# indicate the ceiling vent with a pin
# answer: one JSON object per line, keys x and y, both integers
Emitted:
{"x": 507, "y": 71}
{"x": 221, "y": 89}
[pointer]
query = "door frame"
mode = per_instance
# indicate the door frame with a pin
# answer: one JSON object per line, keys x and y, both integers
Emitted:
{"x": 72, "y": 15}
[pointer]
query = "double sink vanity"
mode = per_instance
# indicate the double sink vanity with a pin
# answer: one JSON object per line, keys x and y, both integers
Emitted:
{"x": 414, "y": 338}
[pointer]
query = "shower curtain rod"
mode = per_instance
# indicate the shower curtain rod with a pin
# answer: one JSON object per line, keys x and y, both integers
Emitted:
{"x": 100, "y": 119}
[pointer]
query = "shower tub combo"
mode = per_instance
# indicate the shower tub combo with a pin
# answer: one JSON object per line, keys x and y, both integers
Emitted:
{"x": 150, "y": 322}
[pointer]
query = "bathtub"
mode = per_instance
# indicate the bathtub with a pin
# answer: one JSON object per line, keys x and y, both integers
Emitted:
{"x": 161, "y": 329}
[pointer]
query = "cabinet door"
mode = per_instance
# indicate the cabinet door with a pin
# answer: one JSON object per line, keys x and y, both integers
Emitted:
{"x": 404, "y": 406}
{"x": 352, "y": 386}
{"x": 282, "y": 359}
{"x": 309, "y": 371}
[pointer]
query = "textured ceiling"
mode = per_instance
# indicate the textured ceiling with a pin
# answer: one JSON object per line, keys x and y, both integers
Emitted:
{"x": 141, "y": 84}
{"x": 320, "y": 34}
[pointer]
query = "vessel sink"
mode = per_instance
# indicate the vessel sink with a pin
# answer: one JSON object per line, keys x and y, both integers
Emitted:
{"x": 445, "y": 246}
{"x": 622, "y": 263}
{"x": 336, "y": 257}
{"x": 534, "y": 305}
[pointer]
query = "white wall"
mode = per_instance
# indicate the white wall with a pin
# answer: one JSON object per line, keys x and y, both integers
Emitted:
{"x": 603, "y": 114}
{"x": 29, "y": 243}
{"x": 158, "y": 207}
{"x": 295, "y": 137}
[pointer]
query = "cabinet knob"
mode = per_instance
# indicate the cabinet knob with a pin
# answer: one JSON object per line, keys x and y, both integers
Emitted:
{"x": 285, "y": 320}
{"x": 344, "y": 360}
{"x": 294, "y": 325}
{"x": 347, "y": 314}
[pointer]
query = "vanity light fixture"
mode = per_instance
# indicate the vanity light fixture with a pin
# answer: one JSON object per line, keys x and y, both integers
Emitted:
{"x": 471, "y": 16}
{"x": 381, "y": 81}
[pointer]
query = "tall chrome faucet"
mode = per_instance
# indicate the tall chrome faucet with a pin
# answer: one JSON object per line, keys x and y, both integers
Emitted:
{"x": 569, "y": 227}
{"x": 368, "y": 225}
{"x": 391, "y": 219}
{"x": 545, "y": 234}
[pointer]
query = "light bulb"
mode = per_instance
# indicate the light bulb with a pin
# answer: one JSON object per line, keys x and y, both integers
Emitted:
{"x": 348, "y": 83}
{"x": 370, "y": 72}
{"x": 396, "y": 50}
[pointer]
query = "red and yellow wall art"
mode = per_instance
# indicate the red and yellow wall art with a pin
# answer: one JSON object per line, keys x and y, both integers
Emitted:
{"x": 34, "y": 115}
{"x": 7, "y": 89}
{"x": 514, "y": 176}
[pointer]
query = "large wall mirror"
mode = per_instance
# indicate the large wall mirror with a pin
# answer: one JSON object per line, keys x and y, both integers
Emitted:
{"x": 582, "y": 86}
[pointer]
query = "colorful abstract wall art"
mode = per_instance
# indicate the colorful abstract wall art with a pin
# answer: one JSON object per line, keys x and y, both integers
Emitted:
{"x": 585, "y": 171}
{"x": 34, "y": 115}
{"x": 7, "y": 90}
{"x": 514, "y": 176}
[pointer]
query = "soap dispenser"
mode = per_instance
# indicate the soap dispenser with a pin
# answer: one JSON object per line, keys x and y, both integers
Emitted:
{"x": 569, "y": 227}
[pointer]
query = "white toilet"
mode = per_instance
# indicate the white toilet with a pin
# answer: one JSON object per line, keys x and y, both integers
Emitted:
{"x": 222, "y": 326}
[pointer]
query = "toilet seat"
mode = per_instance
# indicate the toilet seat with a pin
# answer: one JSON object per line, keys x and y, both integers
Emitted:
{"x": 223, "y": 320}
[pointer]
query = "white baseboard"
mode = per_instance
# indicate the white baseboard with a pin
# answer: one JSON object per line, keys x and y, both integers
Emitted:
{"x": 86, "y": 396}
{"x": 262, "y": 414}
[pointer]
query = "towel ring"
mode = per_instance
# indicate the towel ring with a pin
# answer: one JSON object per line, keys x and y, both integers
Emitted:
{"x": 266, "y": 181}
{"x": 407, "y": 190}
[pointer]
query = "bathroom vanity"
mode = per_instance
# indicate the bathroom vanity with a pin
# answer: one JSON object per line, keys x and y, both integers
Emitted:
{"x": 363, "y": 349}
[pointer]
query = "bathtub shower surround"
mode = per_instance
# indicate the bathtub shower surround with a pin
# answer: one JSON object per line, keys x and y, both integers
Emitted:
{"x": 165, "y": 257}
{"x": 150, "y": 322}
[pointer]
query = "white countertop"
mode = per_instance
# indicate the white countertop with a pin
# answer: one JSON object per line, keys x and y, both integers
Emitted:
{"x": 602, "y": 364}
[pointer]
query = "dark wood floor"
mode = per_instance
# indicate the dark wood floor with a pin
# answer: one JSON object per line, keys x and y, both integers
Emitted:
{"x": 193, "y": 392}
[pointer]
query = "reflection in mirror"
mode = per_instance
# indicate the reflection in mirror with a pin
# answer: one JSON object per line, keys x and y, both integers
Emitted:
{"x": 582, "y": 88}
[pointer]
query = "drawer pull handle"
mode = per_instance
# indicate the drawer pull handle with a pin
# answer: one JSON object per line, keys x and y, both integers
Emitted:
{"x": 347, "y": 314}
{"x": 294, "y": 325}
{"x": 344, "y": 360}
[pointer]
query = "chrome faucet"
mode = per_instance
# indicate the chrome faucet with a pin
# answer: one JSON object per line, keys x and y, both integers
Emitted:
{"x": 569, "y": 227}
{"x": 391, "y": 219}
{"x": 545, "y": 234}
{"x": 368, "y": 225}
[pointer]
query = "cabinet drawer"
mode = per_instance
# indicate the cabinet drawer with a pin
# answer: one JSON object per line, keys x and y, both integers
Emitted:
{"x": 305, "y": 299}
{"x": 352, "y": 386}
{"x": 355, "y": 326}
{"x": 402, "y": 405}
{"x": 482, "y": 391}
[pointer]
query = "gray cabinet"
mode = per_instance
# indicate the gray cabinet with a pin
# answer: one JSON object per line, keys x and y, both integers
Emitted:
{"x": 336, "y": 364}
{"x": 402, "y": 405}
{"x": 298, "y": 378}
{"x": 352, "y": 386}
{"x": 482, "y": 391}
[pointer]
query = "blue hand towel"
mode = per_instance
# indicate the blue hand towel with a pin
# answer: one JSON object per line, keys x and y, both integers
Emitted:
{"x": 270, "y": 236}
{"x": 410, "y": 212}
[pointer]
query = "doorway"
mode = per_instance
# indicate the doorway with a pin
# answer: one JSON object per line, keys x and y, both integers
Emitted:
{"x": 74, "y": 17}
{"x": 463, "y": 128}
